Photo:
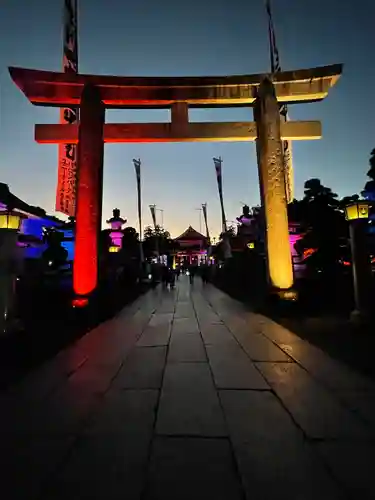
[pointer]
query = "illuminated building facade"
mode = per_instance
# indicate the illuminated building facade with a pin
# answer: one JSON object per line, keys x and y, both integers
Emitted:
{"x": 34, "y": 221}
{"x": 193, "y": 248}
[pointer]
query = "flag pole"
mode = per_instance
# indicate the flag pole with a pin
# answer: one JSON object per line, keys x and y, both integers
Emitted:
{"x": 218, "y": 167}
{"x": 137, "y": 167}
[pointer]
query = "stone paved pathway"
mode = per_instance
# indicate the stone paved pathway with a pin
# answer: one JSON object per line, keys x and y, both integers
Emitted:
{"x": 185, "y": 395}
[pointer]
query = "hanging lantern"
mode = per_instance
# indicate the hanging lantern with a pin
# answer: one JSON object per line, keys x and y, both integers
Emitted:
{"x": 10, "y": 220}
{"x": 357, "y": 210}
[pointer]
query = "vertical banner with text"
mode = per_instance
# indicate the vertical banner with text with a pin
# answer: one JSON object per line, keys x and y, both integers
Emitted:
{"x": 137, "y": 166}
{"x": 67, "y": 161}
{"x": 287, "y": 145}
{"x": 219, "y": 178}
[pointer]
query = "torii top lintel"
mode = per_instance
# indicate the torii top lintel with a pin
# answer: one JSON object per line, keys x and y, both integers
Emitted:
{"x": 48, "y": 88}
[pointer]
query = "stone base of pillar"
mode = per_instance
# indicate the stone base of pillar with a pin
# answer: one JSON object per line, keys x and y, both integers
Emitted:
{"x": 80, "y": 302}
{"x": 289, "y": 295}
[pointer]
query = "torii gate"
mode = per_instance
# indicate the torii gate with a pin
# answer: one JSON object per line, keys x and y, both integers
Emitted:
{"x": 94, "y": 93}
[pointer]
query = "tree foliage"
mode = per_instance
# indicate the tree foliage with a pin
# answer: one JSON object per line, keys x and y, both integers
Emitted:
{"x": 321, "y": 218}
{"x": 55, "y": 254}
{"x": 369, "y": 190}
{"x": 157, "y": 240}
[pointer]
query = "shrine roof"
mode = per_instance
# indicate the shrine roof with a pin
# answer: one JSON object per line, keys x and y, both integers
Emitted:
{"x": 10, "y": 201}
{"x": 191, "y": 234}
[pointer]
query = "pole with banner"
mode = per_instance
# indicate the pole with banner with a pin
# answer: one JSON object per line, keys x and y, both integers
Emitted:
{"x": 218, "y": 162}
{"x": 137, "y": 166}
{"x": 153, "y": 215}
{"x": 67, "y": 159}
{"x": 204, "y": 210}
{"x": 276, "y": 68}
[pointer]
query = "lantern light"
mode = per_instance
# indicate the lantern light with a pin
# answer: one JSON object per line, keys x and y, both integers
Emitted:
{"x": 251, "y": 245}
{"x": 357, "y": 210}
{"x": 10, "y": 220}
{"x": 114, "y": 249}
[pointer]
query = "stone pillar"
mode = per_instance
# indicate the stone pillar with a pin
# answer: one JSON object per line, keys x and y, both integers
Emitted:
{"x": 272, "y": 184}
{"x": 89, "y": 191}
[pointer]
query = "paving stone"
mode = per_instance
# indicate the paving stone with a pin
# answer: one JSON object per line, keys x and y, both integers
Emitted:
{"x": 187, "y": 468}
{"x": 352, "y": 465}
{"x": 161, "y": 319}
{"x": 361, "y": 402}
{"x": 65, "y": 413}
{"x": 155, "y": 336}
{"x": 184, "y": 310}
{"x": 185, "y": 325}
{"x": 330, "y": 372}
{"x": 27, "y": 463}
{"x": 315, "y": 410}
{"x": 124, "y": 412}
{"x": 44, "y": 380}
{"x": 143, "y": 369}
{"x": 232, "y": 369}
{"x": 217, "y": 334}
{"x": 95, "y": 377}
{"x": 103, "y": 466}
{"x": 186, "y": 348}
{"x": 189, "y": 404}
{"x": 272, "y": 457}
{"x": 260, "y": 348}
{"x": 275, "y": 332}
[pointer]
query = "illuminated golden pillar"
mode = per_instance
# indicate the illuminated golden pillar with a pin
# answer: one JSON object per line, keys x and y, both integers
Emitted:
{"x": 272, "y": 185}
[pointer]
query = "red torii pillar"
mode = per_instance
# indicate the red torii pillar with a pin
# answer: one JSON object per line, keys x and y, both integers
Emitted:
{"x": 89, "y": 191}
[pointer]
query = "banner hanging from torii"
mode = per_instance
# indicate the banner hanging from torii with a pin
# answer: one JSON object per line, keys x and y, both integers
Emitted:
{"x": 67, "y": 161}
{"x": 287, "y": 145}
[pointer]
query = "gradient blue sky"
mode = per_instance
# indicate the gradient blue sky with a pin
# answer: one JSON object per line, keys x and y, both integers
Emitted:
{"x": 198, "y": 37}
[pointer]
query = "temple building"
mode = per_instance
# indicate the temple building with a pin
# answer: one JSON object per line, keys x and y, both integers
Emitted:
{"x": 192, "y": 247}
{"x": 34, "y": 221}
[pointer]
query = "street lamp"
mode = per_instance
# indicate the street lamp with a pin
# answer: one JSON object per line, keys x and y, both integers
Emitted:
{"x": 357, "y": 214}
{"x": 10, "y": 223}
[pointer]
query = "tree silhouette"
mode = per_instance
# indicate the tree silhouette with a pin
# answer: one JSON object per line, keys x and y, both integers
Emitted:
{"x": 55, "y": 254}
{"x": 130, "y": 243}
{"x": 157, "y": 239}
{"x": 325, "y": 230}
{"x": 369, "y": 190}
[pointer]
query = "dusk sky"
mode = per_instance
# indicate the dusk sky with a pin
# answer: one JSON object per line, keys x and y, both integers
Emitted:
{"x": 198, "y": 37}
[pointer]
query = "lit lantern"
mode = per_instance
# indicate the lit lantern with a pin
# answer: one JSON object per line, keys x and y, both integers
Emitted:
{"x": 357, "y": 210}
{"x": 114, "y": 249}
{"x": 10, "y": 220}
